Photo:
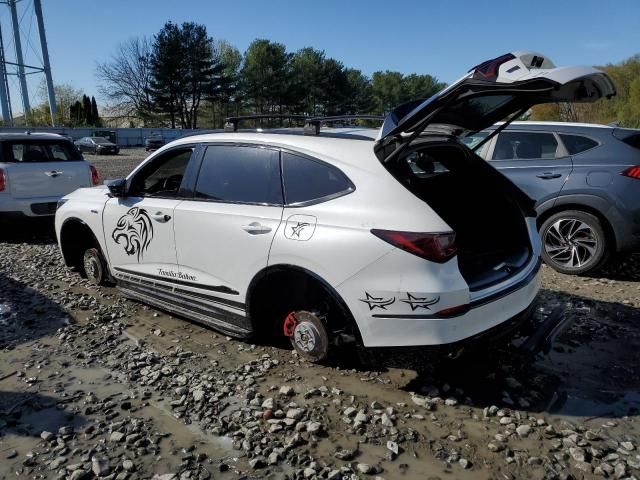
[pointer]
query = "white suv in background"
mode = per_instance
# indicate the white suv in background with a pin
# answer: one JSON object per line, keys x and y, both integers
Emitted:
{"x": 38, "y": 169}
{"x": 410, "y": 239}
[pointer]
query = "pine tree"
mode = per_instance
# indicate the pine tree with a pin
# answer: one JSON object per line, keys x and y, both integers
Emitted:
{"x": 86, "y": 110}
{"x": 95, "y": 117}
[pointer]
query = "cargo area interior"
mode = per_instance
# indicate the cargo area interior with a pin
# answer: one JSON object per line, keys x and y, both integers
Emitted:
{"x": 491, "y": 232}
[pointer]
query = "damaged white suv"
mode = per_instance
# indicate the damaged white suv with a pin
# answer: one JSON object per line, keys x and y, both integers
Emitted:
{"x": 392, "y": 238}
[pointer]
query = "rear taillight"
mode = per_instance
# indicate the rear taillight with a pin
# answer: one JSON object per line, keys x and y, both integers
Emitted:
{"x": 3, "y": 180}
{"x": 436, "y": 247}
{"x": 95, "y": 176}
{"x": 633, "y": 172}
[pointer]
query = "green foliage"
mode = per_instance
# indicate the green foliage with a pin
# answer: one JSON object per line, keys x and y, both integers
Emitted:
{"x": 74, "y": 108}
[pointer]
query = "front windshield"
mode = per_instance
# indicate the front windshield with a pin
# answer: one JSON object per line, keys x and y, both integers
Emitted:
{"x": 100, "y": 140}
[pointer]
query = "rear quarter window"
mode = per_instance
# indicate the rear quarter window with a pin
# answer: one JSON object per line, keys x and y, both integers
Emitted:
{"x": 307, "y": 180}
{"x": 577, "y": 143}
{"x": 633, "y": 140}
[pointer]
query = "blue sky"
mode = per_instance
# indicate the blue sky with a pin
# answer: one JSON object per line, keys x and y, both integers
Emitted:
{"x": 442, "y": 38}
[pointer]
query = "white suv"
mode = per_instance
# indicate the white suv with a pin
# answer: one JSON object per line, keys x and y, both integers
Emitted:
{"x": 410, "y": 239}
{"x": 38, "y": 169}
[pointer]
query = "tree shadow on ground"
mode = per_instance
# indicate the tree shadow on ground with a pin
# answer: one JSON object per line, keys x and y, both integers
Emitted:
{"x": 26, "y": 314}
{"x": 29, "y": 414}
{"x": 591, "y": 370}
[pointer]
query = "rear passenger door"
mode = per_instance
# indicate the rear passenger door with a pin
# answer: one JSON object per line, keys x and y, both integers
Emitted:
{"x": 224, "y": 232}
{"x": 535, "y": 161}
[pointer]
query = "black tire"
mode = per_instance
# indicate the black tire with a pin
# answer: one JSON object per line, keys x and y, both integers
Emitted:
{"x": 574, "y": 242}
{"x": 309, "y": 336}
{"x": 94, "y": 267}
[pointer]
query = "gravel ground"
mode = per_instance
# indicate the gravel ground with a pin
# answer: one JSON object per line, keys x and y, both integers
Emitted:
{"x": 115, "y": 166}
{"x": 94, "y": 385}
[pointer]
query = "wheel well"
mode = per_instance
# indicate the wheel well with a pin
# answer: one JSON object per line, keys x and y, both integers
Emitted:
{"x": 608, "y": 229}
{"x": 75, "y": 238}
{"x": 279, "y": 290}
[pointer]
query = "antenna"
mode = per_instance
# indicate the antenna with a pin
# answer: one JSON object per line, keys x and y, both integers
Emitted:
{"x": 21, "y": 69}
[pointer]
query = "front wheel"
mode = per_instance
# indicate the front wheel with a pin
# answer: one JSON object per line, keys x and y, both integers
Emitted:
{"x": 573, "y": 242}
{"x": 308, "y": 335}
{"x": 94, "y": 266}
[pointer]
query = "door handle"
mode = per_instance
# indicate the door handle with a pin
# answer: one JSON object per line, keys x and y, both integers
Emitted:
{"x": 161, "y": 217}
{"x": 549, "y": 175}
{"x": 256, "y": 228}
{"x": 53, "y": 173}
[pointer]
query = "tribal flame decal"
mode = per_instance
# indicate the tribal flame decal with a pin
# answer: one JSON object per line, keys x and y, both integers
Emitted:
{"x": 134, "y": 232}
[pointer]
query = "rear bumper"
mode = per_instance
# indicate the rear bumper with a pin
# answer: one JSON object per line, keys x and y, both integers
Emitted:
{"x": 488, "y": 316}
{"x": 27, "y": 207}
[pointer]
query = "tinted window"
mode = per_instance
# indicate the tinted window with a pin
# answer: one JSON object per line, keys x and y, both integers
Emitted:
{"x": 577, "y": 143}
{"x": 633, "y": 140}
{"x": 240, "y": 174}
{"x": 162, "y": 177}
{"x": 524, "y": 145}
{"x": 306, "y": 180}
{"x": 38, "y": 151}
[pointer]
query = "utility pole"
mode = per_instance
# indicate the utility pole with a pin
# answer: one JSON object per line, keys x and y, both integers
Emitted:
{"x": 45, "y": 61}
{"x": 7, "y": 117}
{"x": 19, "y": 59}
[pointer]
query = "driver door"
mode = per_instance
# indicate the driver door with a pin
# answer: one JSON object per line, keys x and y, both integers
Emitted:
{"x": 138, "y": 227}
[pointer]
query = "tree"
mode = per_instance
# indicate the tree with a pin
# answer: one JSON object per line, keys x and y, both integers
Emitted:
{"x": 307, "y": 86}
{"x": 265, "y": 76}
{"x": 335, "y": 88}
{"x": 225, "y": 96}
{"x": 126, "y": 79}
{"x": 95, "y": 116}
{"x": 183, "y": 67}
{"x": 360, "y": 98}
{"x": 415, "y": 87}
{"x": 387, "y": 90}
{"x": 167, "y": 75}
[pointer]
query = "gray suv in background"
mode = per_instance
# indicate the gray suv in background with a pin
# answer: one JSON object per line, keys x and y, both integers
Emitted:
{"x": 586, "y": 182}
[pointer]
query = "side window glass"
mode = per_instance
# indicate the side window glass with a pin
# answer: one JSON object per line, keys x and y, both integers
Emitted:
{"x": 308, "y": 180}
{"x": 163, "y": 176}
{"x": 525, "y": 145}
{"x": 577, "y": 143}
{"x": 240, "y": 174}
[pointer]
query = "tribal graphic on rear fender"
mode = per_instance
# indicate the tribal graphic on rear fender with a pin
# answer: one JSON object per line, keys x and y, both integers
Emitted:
{"x": 134, "y": 232}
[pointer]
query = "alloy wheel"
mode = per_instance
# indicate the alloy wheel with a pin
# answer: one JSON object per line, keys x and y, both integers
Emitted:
{"x": 570, "y": 242}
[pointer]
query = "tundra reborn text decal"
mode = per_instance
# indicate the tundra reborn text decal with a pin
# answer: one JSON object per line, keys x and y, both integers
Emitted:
{"x": 134, "y": 232}
{"x": 179, "y": 275}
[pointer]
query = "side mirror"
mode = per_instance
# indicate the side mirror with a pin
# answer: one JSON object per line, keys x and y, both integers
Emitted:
{"x": 117, "y": 188}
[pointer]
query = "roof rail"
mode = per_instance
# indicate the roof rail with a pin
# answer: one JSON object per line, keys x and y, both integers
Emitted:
{"x": 312, "y": 125}
{"x": 231, "y": 123}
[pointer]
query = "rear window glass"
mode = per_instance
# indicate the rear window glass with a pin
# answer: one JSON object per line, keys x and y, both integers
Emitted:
{"x": 525, "y": 145}
{"x": 577, "y": 143}
{"x": 307, "y": 180}
{"x": 30, "y": 151}
{"x": 240, "y": 174}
